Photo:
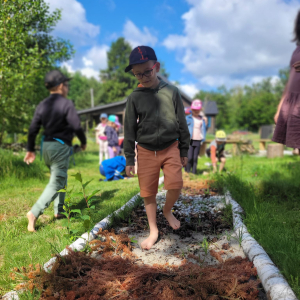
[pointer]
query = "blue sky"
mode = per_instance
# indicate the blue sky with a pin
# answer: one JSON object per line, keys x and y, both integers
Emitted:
{"x": 203, "y": 43}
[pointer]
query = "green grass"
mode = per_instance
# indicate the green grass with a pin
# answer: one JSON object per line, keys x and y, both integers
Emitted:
{"x": 12, "y": 165}
{"x": 268, "y": 191}
{"x": 18, "y": 247}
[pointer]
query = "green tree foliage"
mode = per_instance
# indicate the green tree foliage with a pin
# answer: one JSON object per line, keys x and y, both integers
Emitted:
{"x": 80, "y": 90}
{"x": 116, "y": 83}
{"x": 163, "y": 70}
{"x": 26, "y": 52}
{"x": 247, "y": 107}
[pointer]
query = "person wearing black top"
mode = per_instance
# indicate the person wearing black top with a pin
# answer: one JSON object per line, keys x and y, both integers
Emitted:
{"x": 58, "y": 117}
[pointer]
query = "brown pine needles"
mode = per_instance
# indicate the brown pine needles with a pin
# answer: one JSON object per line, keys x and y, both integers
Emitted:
{"x": 117, "y": 276}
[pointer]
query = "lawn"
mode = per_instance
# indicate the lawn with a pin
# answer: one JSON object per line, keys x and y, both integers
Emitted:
{"x": 268, "y": 191}
{"x": 19, "y": 192}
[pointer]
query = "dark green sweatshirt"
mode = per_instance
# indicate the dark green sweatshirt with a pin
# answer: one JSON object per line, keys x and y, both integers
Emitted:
{"x": 161, "y": 120}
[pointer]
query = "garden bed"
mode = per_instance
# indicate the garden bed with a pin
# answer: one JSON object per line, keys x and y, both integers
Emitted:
{"x": 201, "y": 260}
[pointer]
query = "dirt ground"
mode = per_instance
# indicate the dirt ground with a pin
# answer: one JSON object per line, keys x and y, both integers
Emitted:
{"x": 205, "y": 236}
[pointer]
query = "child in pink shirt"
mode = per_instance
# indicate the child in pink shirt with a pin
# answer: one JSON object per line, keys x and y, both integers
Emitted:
{"x": 101, "y": 138}
{"x": 197, "y": 128}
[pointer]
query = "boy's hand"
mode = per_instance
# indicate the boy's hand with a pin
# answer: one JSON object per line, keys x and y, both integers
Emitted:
{"x": 114, "y": 149}
{"x": 184, "y": 161}
{"x": 130, "y": 171}
{"x": 83, "y": 147}
{"x": 29, "y": 157}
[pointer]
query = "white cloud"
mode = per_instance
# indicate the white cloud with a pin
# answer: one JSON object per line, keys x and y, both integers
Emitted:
{"x": 87, "y": 62}
{"x": 110, "y": 4}
{"x": 190, "y": 89}
{"x": 73, "y": 23}
{"x": 97, "y": 57}
{"x": 233, "y": 41}
{"x": 229, "y": 82}
{"x": 90, "y": 64}
{"x": 137, "y": 37}
{"x": 90, "y": 72}
{"x": 68, "y": 65}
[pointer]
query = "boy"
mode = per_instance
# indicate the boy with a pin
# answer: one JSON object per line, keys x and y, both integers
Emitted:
{"x": 60, "y": 121}
{"x": 216, "y": 150}
{"x": 113, "y": 168}
{"x": 162, "y": 135}
{"x": 101, "y": 138}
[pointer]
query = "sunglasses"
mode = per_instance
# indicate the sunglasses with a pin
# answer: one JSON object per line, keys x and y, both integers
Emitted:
{"x": 146, "y": 73}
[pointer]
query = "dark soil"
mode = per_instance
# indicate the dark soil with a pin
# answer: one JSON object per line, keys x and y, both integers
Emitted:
{"x": 207, "y": 223}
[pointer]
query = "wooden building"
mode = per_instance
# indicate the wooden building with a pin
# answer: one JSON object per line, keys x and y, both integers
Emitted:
{"x": 210, "y": 110}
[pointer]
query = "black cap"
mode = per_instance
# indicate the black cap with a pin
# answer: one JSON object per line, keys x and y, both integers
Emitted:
{"x": 140, "y": 55}
{"x": 54, "y": 78}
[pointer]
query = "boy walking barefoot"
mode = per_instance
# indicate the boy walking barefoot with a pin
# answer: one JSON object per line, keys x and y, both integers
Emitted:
{"x": 162, "y": 135}
{"x": 60, "y": 121}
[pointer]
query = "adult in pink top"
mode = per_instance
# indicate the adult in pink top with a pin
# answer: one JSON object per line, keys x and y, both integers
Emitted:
{"x": 101, "y": 138}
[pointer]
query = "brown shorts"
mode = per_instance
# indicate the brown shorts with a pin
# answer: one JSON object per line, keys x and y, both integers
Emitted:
{"x": 149, "y": 165}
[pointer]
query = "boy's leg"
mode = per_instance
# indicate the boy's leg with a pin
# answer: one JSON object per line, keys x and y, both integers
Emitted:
{"x": 195, "y": 157}
{"x": 190, "y": 159}
{"x": 57, "y": 156}
{"x": 101, "y": 146}
{"x": 62, "y": 181}
{"x": 118, "y": 151}
{"x": 105, "y": 143}
{"x": 222, "y": 164}
{"x": 148, "y": 175}
{"x": 171, "y": 198}
{"x": 150, "y": 205}
{"x": 111, "y": 153}
{"x": 172, "y": 169}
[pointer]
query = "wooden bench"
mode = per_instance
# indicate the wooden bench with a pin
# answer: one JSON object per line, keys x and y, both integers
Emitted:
{"x": 235, "y": 145}
{"x": 262, "y": 143}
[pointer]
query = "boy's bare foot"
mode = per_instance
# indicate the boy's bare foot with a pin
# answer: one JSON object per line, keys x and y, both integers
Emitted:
{"x": 150, "y": 241}
{"x": 174, "y": 223}
{"x": 31, "y": 221}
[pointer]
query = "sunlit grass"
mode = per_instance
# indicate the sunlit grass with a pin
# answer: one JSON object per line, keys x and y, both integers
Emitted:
{"x": 268, "y": 191}
{"x": 18, "y": 247}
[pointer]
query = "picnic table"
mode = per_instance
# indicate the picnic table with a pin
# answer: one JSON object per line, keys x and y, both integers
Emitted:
{"x": 238, "y": 145}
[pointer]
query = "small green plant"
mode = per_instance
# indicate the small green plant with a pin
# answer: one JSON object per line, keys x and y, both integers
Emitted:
{"x": 239, "y": 238}
{"x": 205, "y": 245}
{"x": 133, "y": 240}
{"x": 207, "y": 192}
{"x": 72, "y": 214}
{"x": 35, "y": 294}
{"x": 227, "y": 212}
{"x": 201, "y": 261}
{"x": 228, "y": 236}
